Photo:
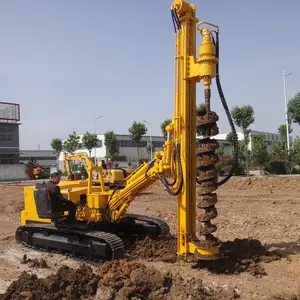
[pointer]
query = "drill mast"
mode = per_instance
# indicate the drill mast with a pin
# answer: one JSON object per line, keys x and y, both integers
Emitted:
{"x": 188, "y": 71}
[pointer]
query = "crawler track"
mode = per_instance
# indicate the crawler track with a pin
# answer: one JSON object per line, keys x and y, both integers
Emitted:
{"x": 93, "y": 245}
{"x": 161, "y": 226}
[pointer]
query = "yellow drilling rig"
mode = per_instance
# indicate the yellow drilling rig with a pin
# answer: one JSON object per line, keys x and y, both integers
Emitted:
{"x": 111, "y": 177}
{"x": 102, "y": 219}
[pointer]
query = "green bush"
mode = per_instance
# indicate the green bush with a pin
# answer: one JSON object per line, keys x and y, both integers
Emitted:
{"x": 296, "y": 170}
{"x": 276, "y": 167}
{"x": 224, "y": 166}
{"x": 239, "y": 169}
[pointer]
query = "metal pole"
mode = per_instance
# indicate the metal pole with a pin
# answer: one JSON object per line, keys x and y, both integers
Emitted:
{"x": 286, "y": 112}
{"x": 95, "y": 133}
{"x": 151, "y": 151}
{"x": 95, "y": 118}
{"x": 151, "y": 148}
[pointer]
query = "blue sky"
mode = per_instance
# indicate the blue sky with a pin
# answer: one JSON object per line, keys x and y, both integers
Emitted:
{"x": 65, "y": 60}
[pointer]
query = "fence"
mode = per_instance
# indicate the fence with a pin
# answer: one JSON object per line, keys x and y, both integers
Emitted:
{"x": 13, "y": 173}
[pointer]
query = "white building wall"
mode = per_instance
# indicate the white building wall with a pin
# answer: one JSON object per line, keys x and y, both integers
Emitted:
{"x": 270, "y": 138}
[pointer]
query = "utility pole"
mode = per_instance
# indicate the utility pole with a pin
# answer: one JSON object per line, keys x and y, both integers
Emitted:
{"x": 96, "y": 118}
{"x": 151, "y": 151}
{"x": 286, "y": 112}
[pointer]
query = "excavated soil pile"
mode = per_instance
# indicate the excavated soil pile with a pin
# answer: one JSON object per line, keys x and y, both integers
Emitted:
{"x": 34, "y": 263}
{"x": 241, "y": 255}
{"x": 161, "y": 248}
{"x": 67, "y": 283}
{"x": 132, "y": 280}
{"x": 113, "y": 280}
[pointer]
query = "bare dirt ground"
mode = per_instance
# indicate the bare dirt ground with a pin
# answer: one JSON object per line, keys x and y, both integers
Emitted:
{"x": 257, "y": 215}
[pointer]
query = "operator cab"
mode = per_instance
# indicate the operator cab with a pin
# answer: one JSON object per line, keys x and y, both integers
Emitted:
{"x": 43, "y": 205}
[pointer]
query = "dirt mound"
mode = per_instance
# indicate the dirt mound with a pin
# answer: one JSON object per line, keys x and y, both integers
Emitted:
{"x": 12, "y": 203}
{"x": 264, "y": 183}
{"x": 284, "y": 297}
{"x": 124, "y": 280}
{"x": 34, "y": 263}
{"x": 113, "y": 280}
{"x": 67, "y": 282}
{"x": 131, "y": 280}
{"x": 161, "y": 248}
{"x": 241, "y": 255}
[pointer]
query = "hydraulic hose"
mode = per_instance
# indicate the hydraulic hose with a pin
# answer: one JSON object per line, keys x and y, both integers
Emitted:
{"x": 223, "y": 100}
{"x": 164, "y": 180}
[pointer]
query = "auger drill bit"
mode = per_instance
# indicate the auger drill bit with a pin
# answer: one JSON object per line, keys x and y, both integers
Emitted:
{"x": 207, "y": 175}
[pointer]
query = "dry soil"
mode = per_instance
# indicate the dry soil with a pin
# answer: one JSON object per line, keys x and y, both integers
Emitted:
{"x": 258, "y": 222}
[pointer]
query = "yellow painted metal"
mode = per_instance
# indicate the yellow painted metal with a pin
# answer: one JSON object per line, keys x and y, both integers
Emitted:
{"x": 111, "y": 176}
{"x": 185, "y": 123}
{"x": 104, "y": 203}
{"x": 204, "y": 252}
{"x": 29, "y": 212}
{"x": 189, "y": 70}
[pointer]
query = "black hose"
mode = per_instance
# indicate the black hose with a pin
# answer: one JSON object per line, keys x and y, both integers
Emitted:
{"x": 222, "y": 97}
{"x": 164, "y": 181}
{"x": 175, "y": 179}
{"x": 175, "y": 19}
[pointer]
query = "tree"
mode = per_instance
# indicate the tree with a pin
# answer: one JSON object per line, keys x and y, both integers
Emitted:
{"x": 57, "y": 145}
{"x": 296, "y": 150}
{"x": 279, "y": 150}
{"x": 72, "y": 143}
{"x": 229, "y": 137}
{"x": 90, "y": 141}
{"x": 294, "y": 108}
{"x": 260, "y": 153}
{"x": 136, "y": 131}
{"x": 243, "y": 117}
{"x": 163, "y": 126}
{"x": 282, "y": 131}
{"x": 221, "y": 151}
{"x": 280, "y": 153}
{"x": 110, "y": 141}
{"x": 149, "y": 146}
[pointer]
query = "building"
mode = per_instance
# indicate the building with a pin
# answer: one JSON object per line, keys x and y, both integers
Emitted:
{"x": 127, "y": 149}
{"x": 46, "y": 158}
{"x": 9, "y": 133}
{"x": 270, "y": 138}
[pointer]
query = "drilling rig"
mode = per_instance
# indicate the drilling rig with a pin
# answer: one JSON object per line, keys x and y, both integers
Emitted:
{"x": 102, "y": 211}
